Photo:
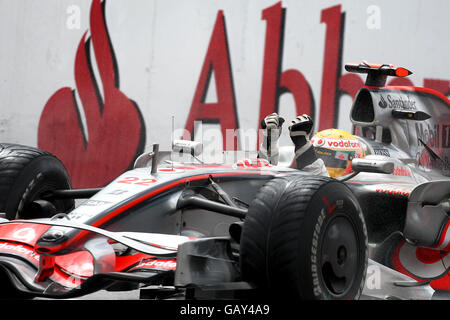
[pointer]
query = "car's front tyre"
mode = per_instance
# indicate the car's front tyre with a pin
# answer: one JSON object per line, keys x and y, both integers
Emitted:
{"x": 304, "y": 237}
{"x": 26, "y": 175}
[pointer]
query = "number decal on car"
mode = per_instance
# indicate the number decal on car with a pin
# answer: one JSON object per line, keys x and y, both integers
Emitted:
{"x": 138, "y": 181}
{"x": 129, "y": 180}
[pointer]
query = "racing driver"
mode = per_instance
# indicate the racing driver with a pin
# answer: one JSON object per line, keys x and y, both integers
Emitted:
{"x": 327, "y": 153}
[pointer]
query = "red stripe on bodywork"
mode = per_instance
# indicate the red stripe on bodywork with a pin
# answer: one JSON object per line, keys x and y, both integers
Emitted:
{"x": 398, "y": 266}
{"x": 134, "y": 202}
{"x": 443, "y": 234}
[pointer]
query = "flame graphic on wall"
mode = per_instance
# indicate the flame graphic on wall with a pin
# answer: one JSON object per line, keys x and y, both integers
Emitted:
{"x": 114, "y": 125}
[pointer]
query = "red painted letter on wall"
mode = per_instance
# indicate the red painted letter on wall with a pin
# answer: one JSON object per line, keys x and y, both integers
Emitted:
{"x": 217, "y": 60}
{"x": 275, "y": 82}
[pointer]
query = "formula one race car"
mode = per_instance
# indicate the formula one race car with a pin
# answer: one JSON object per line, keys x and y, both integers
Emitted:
{"x": 177, "y": 227}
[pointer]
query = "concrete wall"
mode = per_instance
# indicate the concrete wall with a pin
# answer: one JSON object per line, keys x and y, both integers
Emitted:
{"x": 110, "y": 98}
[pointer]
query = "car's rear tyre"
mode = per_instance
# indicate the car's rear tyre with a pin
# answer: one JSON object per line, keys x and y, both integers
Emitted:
{"x": 304, "y": 237}
{"x": 26, "y": 175}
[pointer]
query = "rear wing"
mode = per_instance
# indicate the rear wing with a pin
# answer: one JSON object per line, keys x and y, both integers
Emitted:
{"x": 377, "y": 73}
{"x": 414, "y": 119}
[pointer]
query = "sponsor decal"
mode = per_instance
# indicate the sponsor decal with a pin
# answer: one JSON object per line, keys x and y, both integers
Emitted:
{"x": 344, "y": 144}
{"x": 426, "y": 162}
{"x": 315, "y": 242}
{"x": 446, "y": 166}
{"x": 383, "y": 104}
{"x": 19, "y": 249}
{"x": 446, "y": 136}
{"x": 95, "y": 203}
{"x": 158, "y": 264}
{"x": 252, "y": 163}
{"x": 318, "y": 143}
{"x": 397, "y": 102}
{"x": 381, "y": 152}
{"x": 25, "y": 234}
{"x": 393, "y": 192}
{"x": 330, "y": 207}
{"x": 171, "y": 170}
{"x": 430, "y": 135}
{"x": 437, "y": 138}
{"x": 401, "y": 171}
{"x": 117, "y": 192}
{"x": 81, "y": 215}
{"x": 185, "y": 167}
{"x": 342, "y": 155}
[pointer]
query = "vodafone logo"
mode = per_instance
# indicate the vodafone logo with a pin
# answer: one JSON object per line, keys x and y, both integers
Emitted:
{"x": 318, "y": 142}
{"x": 342, "y": 144}
{"x": 19, "y": 249}
{"x": 25, "y": 234}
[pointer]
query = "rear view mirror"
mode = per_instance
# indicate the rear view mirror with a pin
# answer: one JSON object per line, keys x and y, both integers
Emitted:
{"x": 143, "y": 160}
{"x": 372, "y": 165}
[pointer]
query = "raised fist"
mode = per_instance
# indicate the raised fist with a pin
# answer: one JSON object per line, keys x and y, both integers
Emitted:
{"x": 300, "y": 130}
{"x": 301, "y": 126}
{"x": 272, "y": 125}
{"x": 272, "y": 121}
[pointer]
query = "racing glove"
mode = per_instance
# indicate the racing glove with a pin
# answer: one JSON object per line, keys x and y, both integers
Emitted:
{"x": 271, "y": 128}
{"x": 300, "y": 131}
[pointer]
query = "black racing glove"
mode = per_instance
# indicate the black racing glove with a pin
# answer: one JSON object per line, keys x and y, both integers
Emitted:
{"x": 301, "y": 129}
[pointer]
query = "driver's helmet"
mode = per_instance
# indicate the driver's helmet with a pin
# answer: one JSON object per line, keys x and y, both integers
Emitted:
{"x": 337, "y": 148}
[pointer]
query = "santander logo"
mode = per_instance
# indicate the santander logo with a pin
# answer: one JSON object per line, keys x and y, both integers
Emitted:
{"x": 114, "y": 132}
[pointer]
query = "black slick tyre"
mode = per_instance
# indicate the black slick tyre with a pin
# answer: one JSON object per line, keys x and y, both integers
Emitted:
{"x": 27, "y": 174}
{"x": 304, "y": 237}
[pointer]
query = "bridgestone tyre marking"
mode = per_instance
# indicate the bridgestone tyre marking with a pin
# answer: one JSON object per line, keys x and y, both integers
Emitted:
{"x": 28, "y": 189}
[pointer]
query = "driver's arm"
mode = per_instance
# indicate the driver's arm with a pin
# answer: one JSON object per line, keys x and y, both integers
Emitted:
{"x": 300, "y": 131}
{"x": 271, "y": 128}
